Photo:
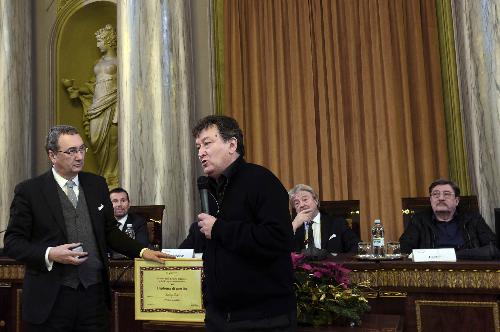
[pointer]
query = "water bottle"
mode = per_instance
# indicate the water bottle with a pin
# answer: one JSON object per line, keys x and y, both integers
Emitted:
{"x": 378, "y": 239}
{"x": 130, "y": 231}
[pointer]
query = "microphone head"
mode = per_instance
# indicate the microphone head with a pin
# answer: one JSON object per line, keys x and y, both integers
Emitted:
{"x": 202, "y": 182}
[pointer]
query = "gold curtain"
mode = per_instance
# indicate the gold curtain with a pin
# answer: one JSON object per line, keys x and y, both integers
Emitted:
{"x": 457, "y": 154}
{"x": 345, "y": 96}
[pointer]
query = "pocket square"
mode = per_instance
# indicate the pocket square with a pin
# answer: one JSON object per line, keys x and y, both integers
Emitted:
{"x": 332, "y": 236}
{"x": 100, "y": 207}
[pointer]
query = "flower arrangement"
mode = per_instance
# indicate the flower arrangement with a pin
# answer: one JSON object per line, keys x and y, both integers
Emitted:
{"x": 323, "y": 293}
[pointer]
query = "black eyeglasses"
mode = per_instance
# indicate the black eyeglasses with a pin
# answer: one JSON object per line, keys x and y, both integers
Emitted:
{"x": 446, "y": 194}
{"x": 73, "y": 151}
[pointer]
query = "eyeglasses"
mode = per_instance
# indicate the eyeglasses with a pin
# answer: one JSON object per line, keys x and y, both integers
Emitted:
{"x": 446, "y": 194}
{"x": 73, "y": 151}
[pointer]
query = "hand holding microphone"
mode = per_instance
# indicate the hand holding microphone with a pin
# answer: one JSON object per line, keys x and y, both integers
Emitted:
{"x": 203, "y": 189}
{"x": 205, "y": 220}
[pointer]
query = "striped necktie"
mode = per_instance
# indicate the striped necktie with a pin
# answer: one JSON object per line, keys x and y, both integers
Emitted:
{"x": 310, "y": 235}
{"x": 71, "y": 193}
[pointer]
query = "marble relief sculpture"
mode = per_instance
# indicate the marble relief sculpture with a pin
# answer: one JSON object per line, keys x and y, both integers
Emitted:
{"x": 99, "y": 102}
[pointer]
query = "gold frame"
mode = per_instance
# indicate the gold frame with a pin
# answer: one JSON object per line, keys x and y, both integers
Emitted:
{"x": 493, "y": 305}
{"x": 19, "y": 321}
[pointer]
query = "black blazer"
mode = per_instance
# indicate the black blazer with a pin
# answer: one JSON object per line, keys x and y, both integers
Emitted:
{"x": 140, "y": 228}
{"x": 37, "y": 222}
{"x": 345, "y": 240}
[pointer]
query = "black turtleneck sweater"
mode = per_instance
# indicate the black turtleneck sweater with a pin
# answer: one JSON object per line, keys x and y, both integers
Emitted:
{"x": 247, "y": 263}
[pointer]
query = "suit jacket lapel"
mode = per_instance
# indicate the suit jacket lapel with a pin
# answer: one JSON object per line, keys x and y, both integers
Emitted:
{"x": 49, "y": 190}
{"x": 90, "y": 196}
{"x": 300, "y": 235}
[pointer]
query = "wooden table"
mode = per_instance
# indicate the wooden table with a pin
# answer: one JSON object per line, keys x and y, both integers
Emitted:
{"x": 371, "y": 323}
{"x": 461, "y": 296}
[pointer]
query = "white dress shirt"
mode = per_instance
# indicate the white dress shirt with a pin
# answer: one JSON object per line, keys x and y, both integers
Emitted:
{"x": 62, "y": 183}
{"x": 316, "y": 230}
{"x": 122, "y": 222}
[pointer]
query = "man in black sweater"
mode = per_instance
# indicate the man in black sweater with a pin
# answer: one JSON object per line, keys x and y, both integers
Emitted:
{"x": 249, "y": 238}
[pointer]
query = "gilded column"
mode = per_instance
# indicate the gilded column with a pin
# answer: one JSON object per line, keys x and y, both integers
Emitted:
{"x": 156, "y": 151}
{"x": 478, "y": 50}
{"x": 15, "y": 100}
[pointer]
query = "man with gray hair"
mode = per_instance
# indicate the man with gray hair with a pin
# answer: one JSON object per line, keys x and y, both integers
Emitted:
{"x": 318, "y": 229}
{"x": 61, "y": 224}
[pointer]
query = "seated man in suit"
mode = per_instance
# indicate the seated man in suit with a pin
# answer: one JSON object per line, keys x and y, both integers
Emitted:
{"x": 121, "y": 204}
{"x": 444, "y": 226}
{"x": 331, "y": 234}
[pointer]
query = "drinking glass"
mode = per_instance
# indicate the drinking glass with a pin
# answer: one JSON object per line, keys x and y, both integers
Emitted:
{"x": 393, "y": 249}
{"x": 364, "y": 249}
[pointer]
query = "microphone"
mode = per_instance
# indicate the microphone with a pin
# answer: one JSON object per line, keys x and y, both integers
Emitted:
{"x": 203, "y": 188}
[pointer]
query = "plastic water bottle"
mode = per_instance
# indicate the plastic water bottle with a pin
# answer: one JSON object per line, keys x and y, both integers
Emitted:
{"x": 378, "y": 244}
{"x": 130, "y": 231}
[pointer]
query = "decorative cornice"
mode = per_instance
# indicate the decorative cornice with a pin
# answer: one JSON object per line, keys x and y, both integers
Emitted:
{"x": 399, "y": 278}
{"x": 426, "y": 278}
{"x": 11, "y": 272}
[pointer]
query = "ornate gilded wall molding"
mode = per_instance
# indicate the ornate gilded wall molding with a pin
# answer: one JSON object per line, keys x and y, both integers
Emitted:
{"x": 493, "y": 305}
{"x": 446, "y": 278}
{"x": 11, "y": 272}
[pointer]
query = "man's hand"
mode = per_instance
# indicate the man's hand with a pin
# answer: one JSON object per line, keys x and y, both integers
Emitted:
{"x": 155, "y": 256}
{"x": 206, "y": 222}
{"x": 64, "y": 255}
{"x": 301, "y": 218}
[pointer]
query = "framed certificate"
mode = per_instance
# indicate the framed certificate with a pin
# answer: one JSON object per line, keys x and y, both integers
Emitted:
{"x": 169, "y": 291}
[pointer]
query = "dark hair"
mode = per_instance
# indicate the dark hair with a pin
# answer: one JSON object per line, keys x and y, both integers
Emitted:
{"x": 119, "y": 190}
{"x": 441, "y": 182}
{"x": 52, "y": 141}
{"x": 227, "y": 126}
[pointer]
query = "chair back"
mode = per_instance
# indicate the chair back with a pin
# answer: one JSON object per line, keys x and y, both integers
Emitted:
{"x": 348, "y": 209}
{"x": 153, "y": 214}
{"x": 412, "y": 205}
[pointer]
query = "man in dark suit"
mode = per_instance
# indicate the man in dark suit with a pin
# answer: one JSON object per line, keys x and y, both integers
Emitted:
{"x": 61, "y": 224}
{"x": 329, "y": 233}
{"x": 121, "y": 203}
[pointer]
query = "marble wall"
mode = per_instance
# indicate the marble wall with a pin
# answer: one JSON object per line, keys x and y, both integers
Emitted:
{"x": 156, "y": 102}
{"x": 15, "y": 101}
{"x": 164, "y": 90}
{"x": 478, "y": 60}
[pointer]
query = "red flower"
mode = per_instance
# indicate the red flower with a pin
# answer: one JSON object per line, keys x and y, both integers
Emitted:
{"x": 322, "y": 269}
{"x": 296, "y": 259}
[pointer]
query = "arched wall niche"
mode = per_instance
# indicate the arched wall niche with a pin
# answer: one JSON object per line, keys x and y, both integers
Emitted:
{"x": 74, "y": 53}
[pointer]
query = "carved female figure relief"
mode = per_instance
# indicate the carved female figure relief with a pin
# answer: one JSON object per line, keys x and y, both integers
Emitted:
{"x": 99, "y": 101}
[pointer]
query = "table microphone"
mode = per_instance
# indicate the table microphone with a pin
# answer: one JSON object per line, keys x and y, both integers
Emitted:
{"x": 203, "y": 188}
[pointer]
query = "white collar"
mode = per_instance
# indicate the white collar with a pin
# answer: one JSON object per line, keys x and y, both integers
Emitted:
{"x": 62, "y": 181}
{"x": 317, "y": 219}
{"x": 123, "y": 220}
